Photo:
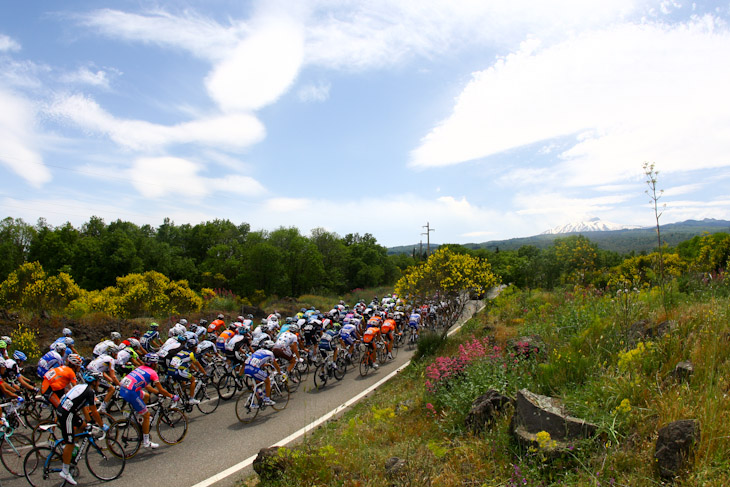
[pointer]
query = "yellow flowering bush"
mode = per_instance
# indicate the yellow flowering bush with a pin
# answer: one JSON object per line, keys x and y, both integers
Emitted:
{"x": 30, "y": 288}
{"x": 26, "y": 340}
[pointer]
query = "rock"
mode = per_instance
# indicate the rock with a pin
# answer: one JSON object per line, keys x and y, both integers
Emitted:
{"x": 394, "y": 466}
{"x": 485, "y": 409}
{"x": 675, "y": 446}
{"x": 269, "y": 463}
{"x": 683, "y": 371}
{"x": 535, "y": 413}
{"x": 643, "y": 329}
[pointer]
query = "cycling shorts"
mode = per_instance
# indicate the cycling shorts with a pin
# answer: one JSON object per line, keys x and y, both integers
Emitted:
{"x": 134, "y": 398}
{"x": 255, "y": 372}
{"x": 347, "y": 339}
{"x": 326, "y": 346}
{"x": 179, "y": 374}
{"x": 413, "y": 324}
{"x": 68, "y": 421}
{"x": 284, "y": 353}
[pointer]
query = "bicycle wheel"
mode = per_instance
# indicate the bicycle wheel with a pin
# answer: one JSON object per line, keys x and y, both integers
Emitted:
{"x": 41, "y": 467}
{"x": 320, "y": 376}
{"x": 127, "y": 434}
{"x": 105, "y": 464}
{"x": 217, "y": 372}
{"x": 364, "y": 365}
{"x": 209, "y": 398}
{"x": 172, "y": 426}
{"x": 339, "y": 372}
{"x": 42, "y": 436}
{"x": 38, "y": 411}
{"x": 295, "y": 378}
{"x": 382, "y": 355}
{"x": 227, "y": 386}
{"x": 247, "y": 407}
{"x": 279, "y": 393}
{"x": 303, "y": 367}
{"x": 12, "y": 452}
{"x": 394, "y": 350}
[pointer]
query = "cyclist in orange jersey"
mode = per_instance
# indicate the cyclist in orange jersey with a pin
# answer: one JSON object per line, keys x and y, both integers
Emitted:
{"x": 387, "y": 329}
{"x": 370, "y": 338}
{"x": 58, "y": 380}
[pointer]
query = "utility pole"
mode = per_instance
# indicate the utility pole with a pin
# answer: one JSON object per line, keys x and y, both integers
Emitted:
{"x": 427, "y": 233}
{"x": 420, "y": 250}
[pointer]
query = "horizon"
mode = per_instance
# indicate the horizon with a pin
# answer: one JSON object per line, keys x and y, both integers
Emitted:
{"x": 485, "y": 120}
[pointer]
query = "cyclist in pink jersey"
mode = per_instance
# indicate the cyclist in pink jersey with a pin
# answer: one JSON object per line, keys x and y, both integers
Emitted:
{"x": 132, "y": 387}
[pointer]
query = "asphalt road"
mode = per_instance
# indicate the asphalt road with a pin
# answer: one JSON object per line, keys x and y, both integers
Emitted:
{"x": 218, "y": 441}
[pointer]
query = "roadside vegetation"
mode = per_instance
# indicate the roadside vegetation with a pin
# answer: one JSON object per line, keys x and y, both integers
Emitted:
{"x": 608, "y": 352}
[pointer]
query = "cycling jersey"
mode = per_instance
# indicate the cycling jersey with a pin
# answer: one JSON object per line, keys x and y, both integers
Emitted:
{"x": 102, "y": 364}
{"x": 138, "y": 379}
{"x": 225, "y": 335}
{"x": 57, "y": 379}
{"x": 286, "y": 340}
{"x": 146, "y": 340}
{"x": 180, "y": 364}
{"x": 372, "y": 333}
{"x": 388, "y": 326}
{"x": 215, "y": 326}
{"x": 101, "y": 347}
{"x": 328, "y": 340}
{"x": 49, "y": 361}
{"x": 255, "y": 364}
{"x": 71, "y": 405}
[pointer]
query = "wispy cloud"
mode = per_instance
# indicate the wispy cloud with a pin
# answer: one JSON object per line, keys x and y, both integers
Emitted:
{"x": 18, "y": 139}
{"x": 8, "y": 44}
{"x": 314, "y": 92}
{"x": 628, "y": 93}
{"x": 234, "y": 131}
{"x": 86, "y": 76}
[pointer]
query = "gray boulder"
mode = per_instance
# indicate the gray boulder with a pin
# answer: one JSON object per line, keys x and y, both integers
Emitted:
{"x": 269, "y": 464}
{"x": 683, "y": 371}
{"x": 644, "y": 329}
{"x": 535, "y": 413}
{"x": 485, "y": 409}
{"x": 675, "y": 447}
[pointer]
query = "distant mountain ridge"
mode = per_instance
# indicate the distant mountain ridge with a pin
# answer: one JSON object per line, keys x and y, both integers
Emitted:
{"x": 592, "y": 225}
{"x": 622, "y": 241}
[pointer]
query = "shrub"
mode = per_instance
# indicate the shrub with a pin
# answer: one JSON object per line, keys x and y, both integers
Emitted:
{"x": 30, "y": 288}
{"x": 429, "y": 343}
{"x": 26, "y": 340}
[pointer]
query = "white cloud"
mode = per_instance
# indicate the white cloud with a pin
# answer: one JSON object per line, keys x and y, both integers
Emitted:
{"x": 18, "y": 139}
{"x": 234, "y": 131}
{"x": 314, "y": 92}
{"x": 631, "y": 93}
{"x": 683, "y": 189}
{"x": 287, "y": 205}
{"x": 157, "y": 177}
{"x": 8, "y": 44}
{"x": 261, "y": 68}
{"x": 195, "y": 33}
{"x": 559, "y": 208}
{"x": 86, "y": 76}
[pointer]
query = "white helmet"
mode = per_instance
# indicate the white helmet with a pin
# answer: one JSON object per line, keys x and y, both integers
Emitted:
{"x": 66, "y": 332}
{"x": 116, "y": 335}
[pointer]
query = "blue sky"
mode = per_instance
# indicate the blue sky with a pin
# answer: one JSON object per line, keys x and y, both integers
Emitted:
{"x": 487, "y": 119}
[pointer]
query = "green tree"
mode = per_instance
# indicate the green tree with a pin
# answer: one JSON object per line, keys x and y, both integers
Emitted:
{"x": 16, "y": 237}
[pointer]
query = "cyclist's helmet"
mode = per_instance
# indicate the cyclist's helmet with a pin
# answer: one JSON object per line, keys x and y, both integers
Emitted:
{"x": 183, "y": 322}
{"x": 249, "y": 316}
{"x": 151, "y": 358}
{"x": 20, "y": 356}
{"x": 69, "y": 341}
{"x": 116, "y": 335}
{"x": 203, "y": 322}
{"x": 268, "y": 344}
{"x": 288, "y": 320}
{"x": 74, "y": 359}
{"x": 154, "y": 326}
{"x": 233, "y": 326}
{"x": 111, "y": 350}
{"x": 240, "y": 318}
{"x": 220, "y": 316}
{"x": 181, "y": 339}
{"x": 191, "y": 344}
{"x": 6, "y": 339}
{"x": 134, "y": 343}
{"x": 2, "y": 363}
{"x": 242, "y": 330}
{"x": 91, "y": 376}
{"x": 136, "y": 334}
{"x": 59, "y": 348}
{"x": 66, "y": 332}
{"x": 3, "y": 344}
{"x": 294, "y": 328}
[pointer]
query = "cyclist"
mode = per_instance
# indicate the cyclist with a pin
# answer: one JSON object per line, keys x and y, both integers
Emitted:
{"x": 255, "y": 368}
{"x": 238, "y": 347}
{"x": 79, "y": 400}
{"x": 132, "y": 389}
{"x": 166, "y": 353}
{"x": 127, "y": 358}
{"x": 51, "y": 359}
{"x": 180, "y": 365}
{"x": 13, "y": 370}
{"x": 388, "y": 329}
{"x": 57, "y": 380}
{"x": 100, "y": 348}
{"x": 348, "y": 335}
{"x": 226, "y": 335}
{"x": 328, "y": 343}
{"x": 104, "y": 366}
{"x": 217, "y": 325}
{"x": 151, "y": 339}
{"x": 287, "y": 348}
{"x": 414, "y": 322}
{"x": 370, "y": 338}
{"x": 7, "y": 389}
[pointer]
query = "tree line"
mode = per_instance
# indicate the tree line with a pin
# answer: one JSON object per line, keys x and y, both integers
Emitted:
{"x": 215, "y": 254}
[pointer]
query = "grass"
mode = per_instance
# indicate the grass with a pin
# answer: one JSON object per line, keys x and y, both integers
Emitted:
{"x": 591, "y": 362}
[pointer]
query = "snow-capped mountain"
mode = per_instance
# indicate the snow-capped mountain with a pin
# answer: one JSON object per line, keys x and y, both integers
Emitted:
{"x": 592, "y": 225}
